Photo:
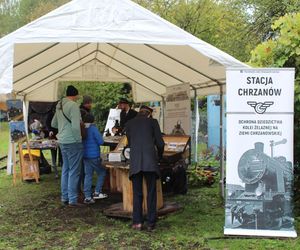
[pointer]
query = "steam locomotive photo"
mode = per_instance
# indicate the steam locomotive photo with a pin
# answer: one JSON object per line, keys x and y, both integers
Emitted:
{"x": 264, "y": 201}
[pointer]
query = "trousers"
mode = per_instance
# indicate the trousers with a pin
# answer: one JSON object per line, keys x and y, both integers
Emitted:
{"x": 137, "y": 185}
{"x": 72, "y": 154}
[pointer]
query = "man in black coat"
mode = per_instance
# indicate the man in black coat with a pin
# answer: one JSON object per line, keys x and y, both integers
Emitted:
{"x": 126, "y": 112}
{"x": 146, "y": 147}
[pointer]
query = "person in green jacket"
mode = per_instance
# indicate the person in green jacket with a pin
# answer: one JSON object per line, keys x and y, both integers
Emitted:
{"x": 67, "y": 121}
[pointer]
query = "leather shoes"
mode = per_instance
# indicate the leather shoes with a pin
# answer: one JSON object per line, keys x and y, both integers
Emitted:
{"x": 138, "y": 227}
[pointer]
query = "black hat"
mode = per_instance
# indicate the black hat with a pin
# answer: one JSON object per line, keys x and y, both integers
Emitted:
{"x": 71, "y": 91}
{"x": 123, "y": 100}
{"x": 87, "y": 99}
{"x": 144, "y": 107}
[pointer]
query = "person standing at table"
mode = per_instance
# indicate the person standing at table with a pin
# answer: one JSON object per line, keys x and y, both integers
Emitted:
{"x": 85, "y": 109}
{"x": 92, "y": 161}
{"x": 126, "y": 112}
{"x": 67, "y": 120}
{"x": 146, "y": 147}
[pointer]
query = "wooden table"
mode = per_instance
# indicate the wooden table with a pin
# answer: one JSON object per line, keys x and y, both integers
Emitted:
{"x": 119, "y": 181}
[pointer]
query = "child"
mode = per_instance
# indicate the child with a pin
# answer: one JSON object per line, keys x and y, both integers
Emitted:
{"x": 92, "y": 161}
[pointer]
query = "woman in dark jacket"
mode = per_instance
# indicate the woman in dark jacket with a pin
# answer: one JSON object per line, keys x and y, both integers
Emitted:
{"x": 146, "y": 147}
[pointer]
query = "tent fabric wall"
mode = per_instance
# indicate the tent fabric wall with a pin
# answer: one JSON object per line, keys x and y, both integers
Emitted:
{"x": 117, "y": 35}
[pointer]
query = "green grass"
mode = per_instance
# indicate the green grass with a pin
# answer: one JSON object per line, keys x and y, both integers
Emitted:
{"x": 4, "y": 134}
{"x": 31, "y": 217}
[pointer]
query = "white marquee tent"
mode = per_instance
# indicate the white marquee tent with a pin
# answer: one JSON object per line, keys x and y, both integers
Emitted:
{"x": 108, "y": 40}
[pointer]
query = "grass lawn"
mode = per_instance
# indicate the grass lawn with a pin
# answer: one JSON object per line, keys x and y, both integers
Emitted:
{"x": 3, "y": 138}
{"x": 31, "y": 217}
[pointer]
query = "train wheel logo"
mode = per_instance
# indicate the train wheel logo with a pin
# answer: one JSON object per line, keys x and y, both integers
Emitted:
{"x": 260, "y": 107}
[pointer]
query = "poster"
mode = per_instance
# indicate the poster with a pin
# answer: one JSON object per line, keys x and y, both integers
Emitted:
{"x": 113, "y": 116}
{"x": 259, "y": 164}
{"x": 178, "y": 110}
{"x": 14, "y": 110}
{"x": 17, "y": 131}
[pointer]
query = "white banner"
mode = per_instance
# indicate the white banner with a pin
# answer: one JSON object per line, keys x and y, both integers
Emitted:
{"x": 177, "y": 118}
{"x": 114, "y": 114}
{"x": 259, "y": 162}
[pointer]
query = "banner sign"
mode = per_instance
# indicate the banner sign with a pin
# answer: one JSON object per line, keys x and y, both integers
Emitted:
{"x": 178, "y": 110}
{"x": 113, "y": 116}
{"x": 259, "y": 156}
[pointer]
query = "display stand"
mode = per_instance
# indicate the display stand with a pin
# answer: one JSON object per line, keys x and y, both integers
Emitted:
{"x": 29, "y": 169}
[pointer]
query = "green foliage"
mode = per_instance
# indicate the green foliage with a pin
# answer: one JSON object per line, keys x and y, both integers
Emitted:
{"x": 105, "y": 96}
{"x": 4, "y": 139}
{"x": 262, "y": 13}
{"x": 283, "y": 51}
{"x": 217, "y": 22}
{"x": 197, "y": 173}
{"x": 16, "y": 13}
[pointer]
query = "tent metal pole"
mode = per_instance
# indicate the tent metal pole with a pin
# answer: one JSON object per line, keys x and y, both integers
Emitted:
{"x": 56, "y": 72}
{"x": 40, "y": 52}
{"x": 222, "y": 181}
{"x": 163, "y": 111}
{"x": 184, "y": 64}
{"x": 196, "y": 125}
{"x": 56, "y": 60}
{"x": 129, "y": 78}
{"x": 149, "y": 77}
{"x": 143, "y": 61}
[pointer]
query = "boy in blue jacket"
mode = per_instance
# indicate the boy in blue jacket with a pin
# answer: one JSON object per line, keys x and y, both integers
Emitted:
{"x": 92, "y": 161}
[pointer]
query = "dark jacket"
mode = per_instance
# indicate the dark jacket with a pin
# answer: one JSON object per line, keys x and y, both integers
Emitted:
{"x": 125, "y": 117}
{"x": 146, "y": 144}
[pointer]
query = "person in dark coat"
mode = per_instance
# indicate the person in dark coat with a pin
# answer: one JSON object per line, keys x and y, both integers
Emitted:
{"x": 146, "y": 147}
{"x": 126, "y": 112}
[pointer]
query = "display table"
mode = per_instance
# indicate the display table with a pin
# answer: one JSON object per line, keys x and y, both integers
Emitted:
{"x": 111, "y": 141}
{"x": 41, "y": 144}
{"x": 30, "y": 170}
{"x": 119, "y": 181}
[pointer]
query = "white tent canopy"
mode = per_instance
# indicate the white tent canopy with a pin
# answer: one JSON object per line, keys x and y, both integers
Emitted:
{"x": 108, "y": 40}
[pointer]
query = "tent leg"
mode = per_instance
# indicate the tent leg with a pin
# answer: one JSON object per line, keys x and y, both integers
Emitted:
{"x": 9, "y": 169}
{"x": 196, "y": 112}
{"x": 222, "y": 180}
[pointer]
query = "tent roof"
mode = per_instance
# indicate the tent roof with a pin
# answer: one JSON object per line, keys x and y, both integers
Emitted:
{"x": 108, "y": 40}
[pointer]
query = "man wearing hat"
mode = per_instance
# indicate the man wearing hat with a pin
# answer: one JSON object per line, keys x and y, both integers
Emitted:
{"x": 126, "y": 112}
{"x": 146, "y": 147}
{"x": 67, "y": 121}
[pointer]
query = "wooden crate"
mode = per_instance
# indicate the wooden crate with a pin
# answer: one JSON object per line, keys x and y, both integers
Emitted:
{"x": 28, "y": 170}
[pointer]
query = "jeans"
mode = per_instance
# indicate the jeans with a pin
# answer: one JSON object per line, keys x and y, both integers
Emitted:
{"x": 137, "y": 186}
{"x": 72, "y": 156}
{"x": 91, "y": 165}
